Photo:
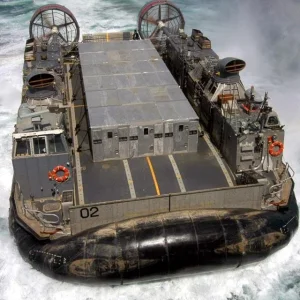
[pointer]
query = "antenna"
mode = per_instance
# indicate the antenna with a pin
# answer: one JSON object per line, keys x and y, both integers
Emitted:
{"x": 263, "y": 107}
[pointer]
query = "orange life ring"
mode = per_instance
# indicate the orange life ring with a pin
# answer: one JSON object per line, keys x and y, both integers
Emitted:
{"x": 276, "y": 144}
{"x": 53, "y": 175}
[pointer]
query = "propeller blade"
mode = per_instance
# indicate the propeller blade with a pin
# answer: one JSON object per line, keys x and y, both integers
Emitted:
{"x": 36, "y": 24}
{"x": 154, "y": 32}
{"x": 46, "y": 21}
{"x": 61, "y": 36}
{"x": 151, "y": 20}
{"x": 169, "y": 19}
{"x": 159, "y": 12}
{"x": 65, "y": 24}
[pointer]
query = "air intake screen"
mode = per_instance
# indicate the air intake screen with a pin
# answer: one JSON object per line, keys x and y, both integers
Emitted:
{"x": 41, "y": 80}
{"x": 235, "y": 66}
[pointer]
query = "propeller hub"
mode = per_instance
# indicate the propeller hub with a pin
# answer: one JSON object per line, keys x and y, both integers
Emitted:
{"x": 54, "y": 29}
{"x": 161, "y": 24}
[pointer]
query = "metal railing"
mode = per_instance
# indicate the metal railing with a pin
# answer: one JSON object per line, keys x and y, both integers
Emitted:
{"x": 287, "y": 174}
{"x": 39, "y": 216}
{"x": 279, "y": 190}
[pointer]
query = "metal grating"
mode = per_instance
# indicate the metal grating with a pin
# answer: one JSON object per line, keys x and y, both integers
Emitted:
{"x": 67, "y": 196}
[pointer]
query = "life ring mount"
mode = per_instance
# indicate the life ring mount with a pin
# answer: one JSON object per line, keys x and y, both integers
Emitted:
{"x": 53, "y": 175}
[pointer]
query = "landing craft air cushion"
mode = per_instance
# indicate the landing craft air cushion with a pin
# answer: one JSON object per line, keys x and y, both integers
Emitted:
{"x": 141, "y": 155}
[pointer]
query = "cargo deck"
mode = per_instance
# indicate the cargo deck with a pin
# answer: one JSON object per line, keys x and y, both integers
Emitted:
{"x": 150, "y": 175}
{"x": 171, "y": 164}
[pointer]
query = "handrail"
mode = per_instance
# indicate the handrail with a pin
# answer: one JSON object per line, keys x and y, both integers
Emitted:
{"x": 287, "y": 170}
{"x": 37, "y": 214}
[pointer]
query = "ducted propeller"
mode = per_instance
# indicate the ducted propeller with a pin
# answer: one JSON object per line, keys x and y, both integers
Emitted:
{"x": 54, "y": 19}
{"x": 158, "y": 12}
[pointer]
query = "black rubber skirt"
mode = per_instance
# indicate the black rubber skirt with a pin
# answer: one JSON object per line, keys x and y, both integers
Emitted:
{"x": 161, "y": 246}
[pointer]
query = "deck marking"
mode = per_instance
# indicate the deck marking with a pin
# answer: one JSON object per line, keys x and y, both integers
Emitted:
{"x": 107, "y": 37}
{"x": 129, "y": 179}
{"x": 153, "y": 176}
{"x": 177, "y": 174}
{"x": 75, "y": 144}
{"x": 218, "y": 158}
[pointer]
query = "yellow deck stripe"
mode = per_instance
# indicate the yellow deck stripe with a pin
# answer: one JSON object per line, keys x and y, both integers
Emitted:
{"x": 153, "y": 176}
{"x": 107, "y": 37}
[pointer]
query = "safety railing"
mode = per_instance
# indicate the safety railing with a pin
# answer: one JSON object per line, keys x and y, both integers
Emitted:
{"x": 287, "y": 174}
{"x": 40, "y": 217}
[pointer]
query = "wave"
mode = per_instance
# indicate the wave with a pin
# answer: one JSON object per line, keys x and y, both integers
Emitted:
{"x": 17, "y": 8}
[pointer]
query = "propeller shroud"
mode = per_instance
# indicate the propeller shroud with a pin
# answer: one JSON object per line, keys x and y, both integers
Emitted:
{"x": 55, "y": 18}
{"x": 159, "y": 10}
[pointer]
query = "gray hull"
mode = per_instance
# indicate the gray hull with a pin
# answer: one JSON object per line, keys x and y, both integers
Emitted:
{"x": 163, "y": 245}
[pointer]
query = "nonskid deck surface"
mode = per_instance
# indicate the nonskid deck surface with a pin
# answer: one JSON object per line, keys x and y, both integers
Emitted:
{"x": 150, "y": 175}
{"x": 146, "y": 176}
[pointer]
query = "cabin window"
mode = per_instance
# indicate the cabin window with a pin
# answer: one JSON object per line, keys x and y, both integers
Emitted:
{"x": 39, "y": 145}
{"x": 109, "y": 135}
{"x": 55, "y": 144}
{"x": 211, "y": 86}
{"x": 146, "y": 131}
{"x": 180, "y": 127}
{"x": 204, "y": 80}
{"x": 23, "y": 147}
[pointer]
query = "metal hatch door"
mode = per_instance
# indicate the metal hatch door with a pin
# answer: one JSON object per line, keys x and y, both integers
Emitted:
{"x": 111, "y": 143}
{"x": 133, "y": 141}
{"x": 158, "y": 139}
{"x": 146, "y": 139}
{"x": 193, "y": 136}
{"x": 168, "y": 139}
{"x": 181, "y": 136}
{"x": 124, "y": 142}
{"x": 97, "y": 144}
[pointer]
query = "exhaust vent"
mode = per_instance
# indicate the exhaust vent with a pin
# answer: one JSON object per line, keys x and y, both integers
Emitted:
{"x": 234, "y": 66}
{"x": 227, "y": 70}
{"x": 41, "y": 80}
{"x": 196, "y": 35}
{"x": 229, "y": 66}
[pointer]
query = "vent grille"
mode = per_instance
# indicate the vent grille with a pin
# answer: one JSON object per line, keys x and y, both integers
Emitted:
{"x": 67, "y": 196}
{"x": 235, "y": 66}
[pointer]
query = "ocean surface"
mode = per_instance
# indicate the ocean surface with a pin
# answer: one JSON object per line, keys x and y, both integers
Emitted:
{"x": 265, "y": 33}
